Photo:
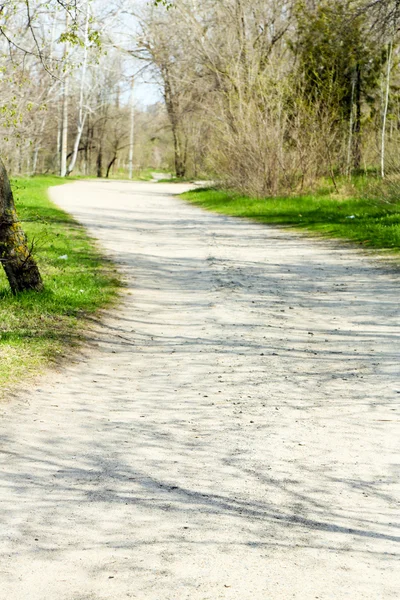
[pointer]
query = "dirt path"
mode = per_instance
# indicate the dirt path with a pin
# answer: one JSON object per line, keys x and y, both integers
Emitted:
{"x": 232, "y": 431}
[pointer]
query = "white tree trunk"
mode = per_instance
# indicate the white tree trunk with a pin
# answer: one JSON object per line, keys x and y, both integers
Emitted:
{"x": 81, "y": 113}
{"x": 350, "y": 141}
{"x": 58, "y": 165}
{"x": 64, "y": 128}
{"x": 385, "y": 109}
{"x": 64, "y": 116}
{"x": 132, "y": 131}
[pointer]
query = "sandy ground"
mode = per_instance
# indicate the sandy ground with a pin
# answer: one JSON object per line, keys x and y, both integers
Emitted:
{"x": 230, "y": 432}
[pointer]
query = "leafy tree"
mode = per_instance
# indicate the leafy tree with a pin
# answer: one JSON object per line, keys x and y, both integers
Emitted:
{"x": 18, "y": 30}
{"x": 339, "y": 63}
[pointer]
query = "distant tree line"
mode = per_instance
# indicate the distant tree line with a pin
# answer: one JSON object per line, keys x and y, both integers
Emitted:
{"x": 270, "y": 95}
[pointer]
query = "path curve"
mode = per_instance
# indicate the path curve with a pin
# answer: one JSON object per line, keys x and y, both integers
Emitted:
{"x": 231, "y": 431}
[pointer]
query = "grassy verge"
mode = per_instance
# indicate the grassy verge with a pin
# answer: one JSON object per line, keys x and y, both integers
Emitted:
{"x": 373, "y": 224}
{"x": 36, "y": 328}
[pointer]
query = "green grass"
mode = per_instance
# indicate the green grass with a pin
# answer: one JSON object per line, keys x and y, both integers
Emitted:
{"x": 370, "y": 223}
{"x": 36, "y": 328}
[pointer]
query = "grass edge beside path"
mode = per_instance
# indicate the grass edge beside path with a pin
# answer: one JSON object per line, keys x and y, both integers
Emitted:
{"x": 369, "y": 224}
{"x": 37, "y": 329}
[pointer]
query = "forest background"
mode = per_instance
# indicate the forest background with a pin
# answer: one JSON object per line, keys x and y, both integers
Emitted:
{"x": 265, "y": 96}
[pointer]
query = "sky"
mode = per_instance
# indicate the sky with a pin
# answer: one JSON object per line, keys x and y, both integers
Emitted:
{"x": 146, "y": 92}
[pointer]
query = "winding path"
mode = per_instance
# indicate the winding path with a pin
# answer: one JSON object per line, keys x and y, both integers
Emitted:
{"x": 231, "y": 431}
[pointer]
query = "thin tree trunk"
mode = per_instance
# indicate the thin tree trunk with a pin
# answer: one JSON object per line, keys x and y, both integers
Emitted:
{"x": 180, "y": 163}
{"x": 64, "y": 129}
{"x": 81, "y": 115}
{"x": 35, "y": 158}
{"x": 64, "y": 117}
{"x": 357, "y": 121}
{"x": 180, "y": 169}
{"x": 385, "y": 110}
{"x": 131, "y": 133}
{"x": 110, "y": 164}
{"x": 350, "y": 140}
{"x": 88, "y": 151}
{"x": 99, "y": 161}
{"x": 20, "y": 268}
{"x": 58, "y": 157}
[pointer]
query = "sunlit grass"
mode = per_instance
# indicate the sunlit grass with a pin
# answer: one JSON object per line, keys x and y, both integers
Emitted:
{"x": 370, "y": 223}
{"x": 35, "y": 328}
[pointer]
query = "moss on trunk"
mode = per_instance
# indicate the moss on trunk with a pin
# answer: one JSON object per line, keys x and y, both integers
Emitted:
{"x": 15, "y": 254}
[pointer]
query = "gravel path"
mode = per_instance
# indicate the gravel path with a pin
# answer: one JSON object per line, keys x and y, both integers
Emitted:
{"x": 231, "y": 430}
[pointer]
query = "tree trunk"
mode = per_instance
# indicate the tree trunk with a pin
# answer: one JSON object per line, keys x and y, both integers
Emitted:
{"x": 357, "y": 121}
{"x": 88, "y": 150}
{"x": 20, "y": 268}
{"x": 64, "y": 115}
{"x": 110, "y": 164}
{"x": 180, "y": 166}
{"x": 385, "y": 109}
{"x": 81, "y": 113}
{"x": 131, "y": 133}
{"x": 35, "y": 158}
{"x": 180, "y": 161}
{"x": 99, "y": 161}
{"x": 64, "y": 128}
{"x": 350, "y": 140}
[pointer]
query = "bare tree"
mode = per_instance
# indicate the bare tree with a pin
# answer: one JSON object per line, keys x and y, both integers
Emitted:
{"x": 161, "y": 44}
{"x": 15, "y": 253}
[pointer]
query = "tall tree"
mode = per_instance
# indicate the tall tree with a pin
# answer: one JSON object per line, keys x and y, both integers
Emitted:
{"x": 18, "y": 30}
{"x": 340, "y": 64}
{"x": 162, "y": 43}
{"x": 15, "y": 253}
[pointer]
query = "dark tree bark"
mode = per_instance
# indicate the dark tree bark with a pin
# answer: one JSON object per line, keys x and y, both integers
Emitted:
{"x": 15, "y": 255}
{"x": 110, "y": 164}
{"x": 89, "y": 146}
{"x": 172, "y": 111}
{"x": 99, "y": 161}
